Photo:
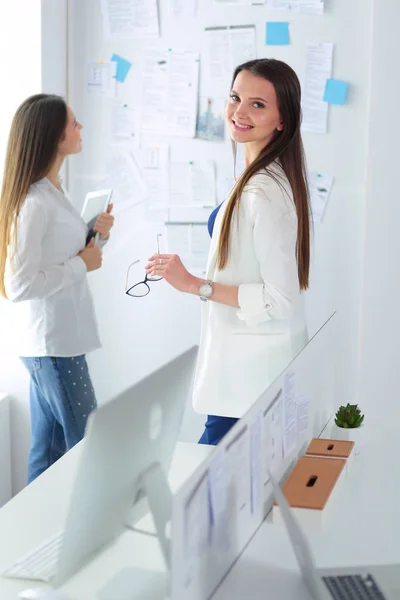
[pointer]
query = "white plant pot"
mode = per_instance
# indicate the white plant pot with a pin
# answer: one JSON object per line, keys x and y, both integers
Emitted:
{"x": 354, "y": 434}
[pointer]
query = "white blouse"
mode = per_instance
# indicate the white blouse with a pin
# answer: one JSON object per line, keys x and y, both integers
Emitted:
{"x": 243, "y": 350}
{"x": 47, "y": 280}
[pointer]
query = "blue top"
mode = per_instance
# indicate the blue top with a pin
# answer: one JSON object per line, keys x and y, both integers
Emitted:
{"x": 211, "y": 219}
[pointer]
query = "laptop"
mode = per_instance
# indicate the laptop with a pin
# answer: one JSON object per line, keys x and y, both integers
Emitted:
{"x": 128, "y": 438}
{"x": 348, "y": 583}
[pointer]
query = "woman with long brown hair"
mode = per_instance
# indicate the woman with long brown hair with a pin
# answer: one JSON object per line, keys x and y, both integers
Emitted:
{"x": 43, "y": 270}
{"x": 259, "y": 256}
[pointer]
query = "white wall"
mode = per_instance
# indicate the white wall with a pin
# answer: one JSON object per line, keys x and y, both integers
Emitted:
{"x": 32, "y": 63}
{"x": 342, "y": 152}
{"x": 380, "y": 339}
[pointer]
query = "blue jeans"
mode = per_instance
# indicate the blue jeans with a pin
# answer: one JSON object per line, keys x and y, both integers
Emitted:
{"x": 215, "y": 429}
{"x": 61, "y": 399}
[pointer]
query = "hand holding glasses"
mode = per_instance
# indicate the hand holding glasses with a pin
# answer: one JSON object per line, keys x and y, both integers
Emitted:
{"x": 142, "y": 288}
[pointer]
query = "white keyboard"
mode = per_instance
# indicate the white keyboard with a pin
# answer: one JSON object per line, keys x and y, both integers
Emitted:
{"x": 38, "y": 564}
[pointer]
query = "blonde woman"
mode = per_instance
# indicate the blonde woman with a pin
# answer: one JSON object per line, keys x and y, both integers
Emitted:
{"x": 253, "y": 320}
{"x": 43, "y": 270}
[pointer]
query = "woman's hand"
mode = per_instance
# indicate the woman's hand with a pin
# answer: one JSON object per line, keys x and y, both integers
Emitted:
{"x": 91, "y": 256}
{"x": 170, "y": 267}
{"x": 104, "y": 223}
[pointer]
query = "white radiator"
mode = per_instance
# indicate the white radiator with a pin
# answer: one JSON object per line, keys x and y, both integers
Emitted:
{"x": 5, "y": 449}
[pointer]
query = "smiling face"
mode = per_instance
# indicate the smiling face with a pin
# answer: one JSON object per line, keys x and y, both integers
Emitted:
{"x": 252, "y": 113}
{"x": 71, "y": 142}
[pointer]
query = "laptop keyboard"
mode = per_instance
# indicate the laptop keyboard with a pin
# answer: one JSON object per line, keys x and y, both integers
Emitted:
{"x": 353, "y": 587}
{"x": 38, "y": 564}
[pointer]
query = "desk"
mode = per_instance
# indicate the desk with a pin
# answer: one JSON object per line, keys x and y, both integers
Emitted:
{"x": 362, "y": 529}
{"x": 40, "y": 509}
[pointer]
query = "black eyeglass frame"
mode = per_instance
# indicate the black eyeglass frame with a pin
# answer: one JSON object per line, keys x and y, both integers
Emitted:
{"x": 145, "y": 280}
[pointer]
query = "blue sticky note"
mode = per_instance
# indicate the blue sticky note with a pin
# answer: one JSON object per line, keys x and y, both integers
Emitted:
{"x": 123, "y": 67}
{"x": 335, "y": 91}
{"x": 277, "y": 33}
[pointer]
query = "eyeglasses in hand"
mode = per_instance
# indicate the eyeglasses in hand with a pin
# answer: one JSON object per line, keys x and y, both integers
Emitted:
{"x": 142, "y": 288}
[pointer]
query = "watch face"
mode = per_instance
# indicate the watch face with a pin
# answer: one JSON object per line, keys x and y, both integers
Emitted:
{"x": 206, "y": 290}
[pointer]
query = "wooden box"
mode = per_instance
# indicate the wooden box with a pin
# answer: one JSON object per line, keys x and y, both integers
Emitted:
{"x": 332, "y": 449}
{"x": 311, "y": 489}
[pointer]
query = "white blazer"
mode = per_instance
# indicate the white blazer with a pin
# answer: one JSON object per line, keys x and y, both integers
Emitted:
{"x": 242, "y": 351}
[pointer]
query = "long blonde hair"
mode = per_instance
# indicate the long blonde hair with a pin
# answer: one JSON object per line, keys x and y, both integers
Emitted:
{"x": 288, "y": 148}
{"x": 36, "y": 131}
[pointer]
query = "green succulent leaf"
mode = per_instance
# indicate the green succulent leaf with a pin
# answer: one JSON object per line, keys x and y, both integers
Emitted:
{"x": 349, "y": 416}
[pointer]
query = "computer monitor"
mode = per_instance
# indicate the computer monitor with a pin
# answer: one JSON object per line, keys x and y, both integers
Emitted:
{"x": 128, "y": 446}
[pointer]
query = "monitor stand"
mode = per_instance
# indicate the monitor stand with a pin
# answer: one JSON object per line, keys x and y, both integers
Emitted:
{"x": 146, "y": 584}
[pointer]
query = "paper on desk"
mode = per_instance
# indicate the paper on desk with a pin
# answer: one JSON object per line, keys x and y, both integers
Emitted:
{"x": 303, "y": 409}
{"x": 196, "y": 528}
{"x": 320, "y": 186}
{"x": 226, "y": 48}
{"x": 130, "y": 18}
{"x": 238, "y": 453}
{"x": 220, "y": 507}
{"x": 289, "y": 413}
{"x": 183, "y": 8}
{"x": 170, "y": 88}
{"x": 272, "y": 437}
{"x": 256, "y": 461}
{"x": 318, "y": 70}
{"x": 126, "y": 180}
{"x": 101, "y": 78}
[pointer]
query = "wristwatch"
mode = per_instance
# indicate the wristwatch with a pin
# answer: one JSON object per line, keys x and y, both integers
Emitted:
{"x": 205, "y": 290}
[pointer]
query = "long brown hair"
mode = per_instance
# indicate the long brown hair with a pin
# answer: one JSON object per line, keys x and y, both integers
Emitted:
{"x": 36, "y": 131}
{"x": 286, "y": 146}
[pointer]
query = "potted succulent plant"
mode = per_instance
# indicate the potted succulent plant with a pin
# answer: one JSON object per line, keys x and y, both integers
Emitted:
{"x": 347, "y": 424}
